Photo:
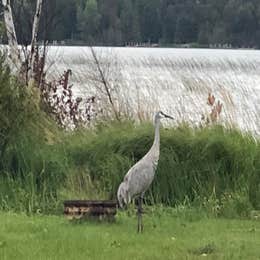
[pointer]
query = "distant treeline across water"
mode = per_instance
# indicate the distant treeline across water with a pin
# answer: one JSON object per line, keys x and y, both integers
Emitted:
{"x": 123, "y": 22}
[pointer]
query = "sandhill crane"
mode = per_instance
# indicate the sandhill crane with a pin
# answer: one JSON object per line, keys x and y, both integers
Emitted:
{"x": 140, "y": 176}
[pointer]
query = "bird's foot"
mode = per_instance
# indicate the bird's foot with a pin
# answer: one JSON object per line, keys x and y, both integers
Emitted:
{"x": 140, "y": 228}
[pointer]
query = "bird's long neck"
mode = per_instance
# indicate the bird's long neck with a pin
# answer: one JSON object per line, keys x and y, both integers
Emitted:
{"x": 156, "y": 142}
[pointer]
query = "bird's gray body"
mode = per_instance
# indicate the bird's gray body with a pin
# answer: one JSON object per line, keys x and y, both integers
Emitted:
{"x": 140, "y": 176}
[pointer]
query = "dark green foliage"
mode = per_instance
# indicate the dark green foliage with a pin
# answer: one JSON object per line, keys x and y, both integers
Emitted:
{"x": 254, "y": 189}
{"x": 212, "y": 168}
{"x": 33, "y": 182}
{"x": 31, "y": 176}
{"x": 193, "y": 163}
{"x": 15, "y": 108}
{"x": 119, "y": 22}
{"x": 31, "y": 170}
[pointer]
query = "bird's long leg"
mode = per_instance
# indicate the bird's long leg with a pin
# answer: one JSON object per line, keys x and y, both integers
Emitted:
{"x": 139, "y": 215}
{"x": 139, "y": 212}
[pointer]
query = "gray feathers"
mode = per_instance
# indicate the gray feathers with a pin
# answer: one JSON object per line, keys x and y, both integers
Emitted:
{"x": 140, "y": 176}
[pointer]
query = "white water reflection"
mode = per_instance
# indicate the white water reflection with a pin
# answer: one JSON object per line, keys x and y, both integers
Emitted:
{"x": 175, "y": 80}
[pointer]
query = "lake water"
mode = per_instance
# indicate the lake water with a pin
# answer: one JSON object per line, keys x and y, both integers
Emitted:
{"x": 177, "y": 81}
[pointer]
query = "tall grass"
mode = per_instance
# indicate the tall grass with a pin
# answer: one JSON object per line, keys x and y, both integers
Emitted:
{"x": 173, "y": 80}
{"x": 31, "y": 175}
{"x": 193, "y": 163}
{"x": 41, "y": 165}
{"x": 195, "y": 166}
{"x": 31, "y": 169}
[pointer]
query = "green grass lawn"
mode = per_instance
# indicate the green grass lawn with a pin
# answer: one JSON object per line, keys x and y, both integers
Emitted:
{"x": 167, "y": 235}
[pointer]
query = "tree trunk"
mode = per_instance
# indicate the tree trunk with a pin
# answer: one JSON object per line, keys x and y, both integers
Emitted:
{"x": 14, "y": 52}
{"x": 35, "y": 30}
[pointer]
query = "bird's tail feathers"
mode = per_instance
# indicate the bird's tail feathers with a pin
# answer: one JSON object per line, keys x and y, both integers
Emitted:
{"x": 123, "y": 195}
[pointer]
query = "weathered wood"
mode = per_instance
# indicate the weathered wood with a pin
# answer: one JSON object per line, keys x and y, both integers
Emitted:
{"x": 108, "y": 203}
{"x": 76, "y": 209}
{"x": 255, "y": 214}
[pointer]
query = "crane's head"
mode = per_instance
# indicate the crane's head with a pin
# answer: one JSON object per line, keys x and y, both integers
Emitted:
{"x": 122, "y": 195}
{"x": 160, "y": 115}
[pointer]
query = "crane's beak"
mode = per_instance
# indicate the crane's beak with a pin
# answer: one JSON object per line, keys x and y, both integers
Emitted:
{"x": 167, "y": 116}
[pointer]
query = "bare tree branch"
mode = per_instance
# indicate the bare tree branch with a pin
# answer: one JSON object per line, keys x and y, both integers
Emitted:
{"x": 105, "y": 83}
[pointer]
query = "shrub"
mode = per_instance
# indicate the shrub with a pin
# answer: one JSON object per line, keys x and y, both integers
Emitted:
{"x": 193, "y": 162}
{"x": 38, "y": 161}
{"x": 254, "y": 189}
{"x": 31, "y": 169}
{"x": 14, "y": 107}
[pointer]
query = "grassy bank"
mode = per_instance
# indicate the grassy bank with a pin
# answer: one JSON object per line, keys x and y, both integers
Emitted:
{"x": 212, "y": 167}
{"x": 167, "y": 235}
{"x": 193, "y": 162}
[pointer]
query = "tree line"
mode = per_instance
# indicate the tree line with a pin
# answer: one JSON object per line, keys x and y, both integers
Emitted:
{"x": 121, "y": 22}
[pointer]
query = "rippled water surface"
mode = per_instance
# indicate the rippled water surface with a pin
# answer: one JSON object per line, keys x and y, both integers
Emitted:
{"x": 175, "y": 80}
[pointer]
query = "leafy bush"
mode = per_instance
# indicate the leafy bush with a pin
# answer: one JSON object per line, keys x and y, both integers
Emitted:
{"x": 254, "y": 189}
{"x": 31, "y": 169}
{"x": 40, "y": 164}
{"x": 13, "y": 107}
{"x": 193, "y": 162}
{"x": 193, "y": 165}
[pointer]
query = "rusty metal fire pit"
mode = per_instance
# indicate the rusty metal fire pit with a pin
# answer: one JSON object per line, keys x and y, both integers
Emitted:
{"x": 95, "y": 209}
